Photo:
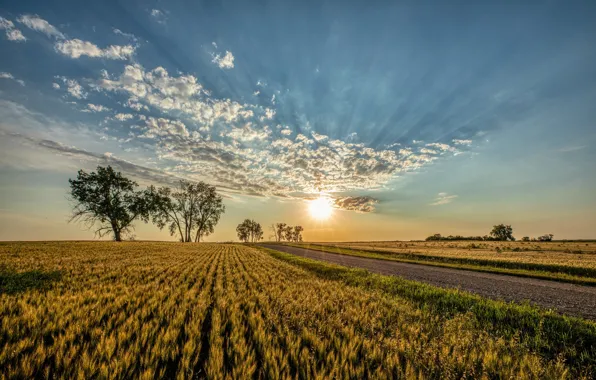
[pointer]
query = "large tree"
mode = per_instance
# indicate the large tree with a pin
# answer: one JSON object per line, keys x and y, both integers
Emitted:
{"x": 107, "y": 201}
{"x": 502, "y": 232}
{"x": 249, "y": 230}
{"x": 192, "y": 209}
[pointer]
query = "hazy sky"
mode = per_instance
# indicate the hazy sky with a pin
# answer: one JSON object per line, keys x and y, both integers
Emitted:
{"x": 414, "y": 117}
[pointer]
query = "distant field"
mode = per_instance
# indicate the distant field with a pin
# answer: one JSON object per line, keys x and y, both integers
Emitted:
{"x": 562, "y": 261}
{"x": 174, "y": 310}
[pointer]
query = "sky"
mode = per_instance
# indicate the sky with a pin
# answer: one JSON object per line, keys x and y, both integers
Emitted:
{"x": 411, "y": 118}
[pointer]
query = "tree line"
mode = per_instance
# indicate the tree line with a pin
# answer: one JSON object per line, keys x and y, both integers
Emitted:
{"x": 282, "y": 231}
{"x": 111, "y": 203}
{"x": 500, "y": 232}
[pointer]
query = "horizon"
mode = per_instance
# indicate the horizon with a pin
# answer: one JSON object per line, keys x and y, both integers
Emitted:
{"x": 390, "y": 122}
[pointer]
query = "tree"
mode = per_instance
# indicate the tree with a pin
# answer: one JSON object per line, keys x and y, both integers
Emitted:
{"x": 526, "y": 238}
{"x": 191, "y": 209}
{"x": 297, "y": 235}
{"x": 289, "y": 233}
{"x": 547, "y": 237}
{"x": 249, "y": 230}
{"x": 108, "y": 200}
{"x": 280, "y": 229}
{"x": 502, "y": 232}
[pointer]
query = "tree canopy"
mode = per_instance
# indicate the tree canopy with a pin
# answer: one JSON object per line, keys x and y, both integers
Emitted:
{"x": 107, "y": 201}
{"x": 192, "y": 209}
{"x": 249, "y": 230}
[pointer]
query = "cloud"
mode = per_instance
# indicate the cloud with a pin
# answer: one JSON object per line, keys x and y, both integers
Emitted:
{"x": 55, "y": 86}
{"x": 165, "y": 128}
{"x": 158, "y": 15}
{"x": 38, "y": 24}
{"x": 12, "y": 33}
{"x": 167, "y": 93}
{"x": 74, "y": 88}
{"x": 76, "y": 48}
{"x": 358, "y": 204}
{"x": 443, "y": 199}
{"x": 225, "y": 62}
{"x": 123, "y": 116}
{"x": 97, "y": 108}
{"x": 571, "y": 148}
{"x": 5, "y": 75}
{"x": 130, "y": 36}
{"x": 462, "y": 142}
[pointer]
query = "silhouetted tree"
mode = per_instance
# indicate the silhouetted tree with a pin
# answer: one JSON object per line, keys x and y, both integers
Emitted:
{"x": 289, "y": 233}
{"x": 547, "y": 237}
{"x": 502, "y": 232}
{"x": 109, "y": 201}
{"x": 249, "y": 230}
{"x": 297, "y": 234}
{"x": 280, "y": 229}
{"x": 526, "y": 238}
{"x": 191, "y": 209}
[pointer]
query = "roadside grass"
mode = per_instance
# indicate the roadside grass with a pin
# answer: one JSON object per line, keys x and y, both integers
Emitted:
{"x": 562, "y": 273}
{"x": 551, "y": 335}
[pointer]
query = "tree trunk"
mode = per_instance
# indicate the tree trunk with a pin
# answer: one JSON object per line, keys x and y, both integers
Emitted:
{"x": 117, "y": 236}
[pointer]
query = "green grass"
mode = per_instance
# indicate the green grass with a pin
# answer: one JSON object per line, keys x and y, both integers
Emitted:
{"x": 11, "y": 282}
{"x": 561, "y": 273}
{"x": 545, "y": 332}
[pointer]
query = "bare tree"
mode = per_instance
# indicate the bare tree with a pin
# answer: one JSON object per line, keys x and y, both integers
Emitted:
{"x": 108, "y": 201}
{"x": 191, "y": 209}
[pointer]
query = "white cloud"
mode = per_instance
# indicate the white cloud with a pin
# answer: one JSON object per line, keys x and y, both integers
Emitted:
{"x": 319, "y": 137}
{"x": 286, "y": 131}
{"x": 165, "y": 128}
{"x": 173, "y": 93}
{"x": 443, "y": 199}
{"x": 462, "y": 142}
{"x": 130, "y": 36}
{"x": 76, "y": 48}
{"x": 74, "y": 88}
{"x": 225, "y": 62}
{"x": 158, "y": 16}
{"x": 38, "y": 24}
{"x": 5, "y": 75}
{"x": 97, "y": 108}
{"x": 12, "y": 33}
{"x": 124, "y": 116}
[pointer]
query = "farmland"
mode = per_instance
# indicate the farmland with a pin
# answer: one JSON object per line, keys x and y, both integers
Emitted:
{"x": 573, "y": 262}
{"x": 120, "y": 310}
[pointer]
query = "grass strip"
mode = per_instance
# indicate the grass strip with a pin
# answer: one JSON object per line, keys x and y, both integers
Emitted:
{"x": 545, "y": 332}
{"x": 540, "y": 271}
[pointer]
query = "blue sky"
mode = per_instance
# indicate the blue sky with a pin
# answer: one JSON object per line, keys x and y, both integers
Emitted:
{"x": 412, "y": 117}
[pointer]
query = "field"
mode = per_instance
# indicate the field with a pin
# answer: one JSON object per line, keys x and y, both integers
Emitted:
{"x": 573, "y": 262}
{"x": 121, "y": 310}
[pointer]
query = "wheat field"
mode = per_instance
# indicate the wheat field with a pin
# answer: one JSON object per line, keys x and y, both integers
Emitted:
{"x": 174, "y": 310}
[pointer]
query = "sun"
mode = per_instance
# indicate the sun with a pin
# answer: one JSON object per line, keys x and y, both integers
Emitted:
{"x": 320, "y": 208}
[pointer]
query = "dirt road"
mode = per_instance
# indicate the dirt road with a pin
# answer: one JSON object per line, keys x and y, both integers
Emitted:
{"x": 566, "y": 298}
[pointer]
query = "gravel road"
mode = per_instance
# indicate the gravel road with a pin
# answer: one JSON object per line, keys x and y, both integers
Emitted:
{"x": 566, "y": 298}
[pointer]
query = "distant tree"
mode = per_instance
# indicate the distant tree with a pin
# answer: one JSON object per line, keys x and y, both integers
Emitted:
{"x": 243, "y": 232}
{"x": 289, "y": 233}
{"x": 434, "y": 237}
{"x": 273, "y": 235}
{"x": 249, "y": 230}
{"x": 107, "y": 200}
{"x": 547, "y": 237}
{"x": 297, "y": 234}
{"x": 192, "y": 210}
{"x": 280, "y": 229}
{"x": 502, "y": 232}
{"x": 525, "y": 238}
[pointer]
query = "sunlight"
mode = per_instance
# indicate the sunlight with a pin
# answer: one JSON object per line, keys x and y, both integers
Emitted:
{"x": 320, "y": 208}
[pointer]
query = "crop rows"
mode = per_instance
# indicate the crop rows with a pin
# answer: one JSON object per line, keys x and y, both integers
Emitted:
{"x": 227, "y": 311}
